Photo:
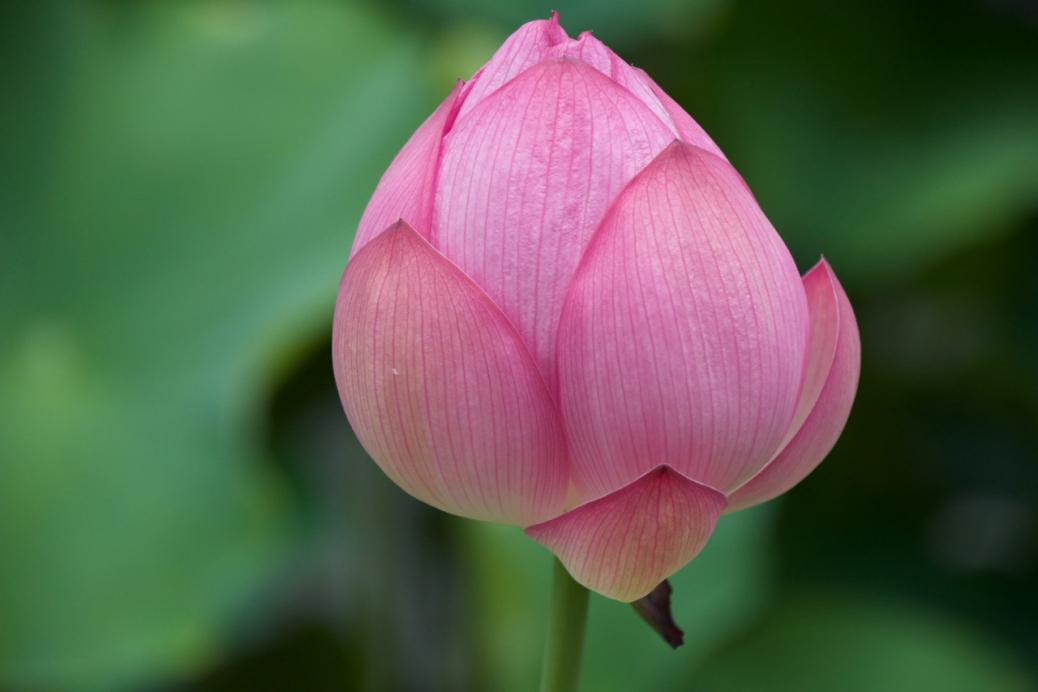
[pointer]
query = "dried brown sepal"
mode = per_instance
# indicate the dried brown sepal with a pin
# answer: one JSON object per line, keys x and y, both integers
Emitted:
{"x": 655, "y": 610}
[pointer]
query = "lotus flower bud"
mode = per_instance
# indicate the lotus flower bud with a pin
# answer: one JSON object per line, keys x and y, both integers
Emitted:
{"x": 564, "y": 310}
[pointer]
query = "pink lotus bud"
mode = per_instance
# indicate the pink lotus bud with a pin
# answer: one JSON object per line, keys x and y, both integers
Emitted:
{"x": 565, "y": 311}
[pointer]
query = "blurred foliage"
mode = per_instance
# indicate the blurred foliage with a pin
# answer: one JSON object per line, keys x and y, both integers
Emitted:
{"x": 175, "y": 183}
{"x": 182, "y": 505}
{"x": 725, "y": 591}
{"x": 821, "y": 642}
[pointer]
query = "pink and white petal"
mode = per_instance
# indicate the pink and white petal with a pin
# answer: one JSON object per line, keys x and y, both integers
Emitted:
{"x": 530, "y": 44}
{"x": 440, "y": 389}
{"x": 828, "y": 394}
{"x": 526, "y": 179}
{"x": 684, "y": 336}
{"x": 406, "y": 188}
{"x": 688, "y": 130}
{"x": 624, "y": 544}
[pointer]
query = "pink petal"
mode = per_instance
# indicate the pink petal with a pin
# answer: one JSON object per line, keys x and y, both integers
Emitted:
{"x": 595, "y": 53}
{"x": 526, "y": 179}
{"x": 440, "y": 389}
{"x": 624, "y": 544}
{"x": 688, "y": 129}
{"x": 529, "y": 45}
{"x": 406, "y": 188}
{"x": 684, "y": 336}
{"x": 825, "y": 402}
{"x": 588, "y": 50}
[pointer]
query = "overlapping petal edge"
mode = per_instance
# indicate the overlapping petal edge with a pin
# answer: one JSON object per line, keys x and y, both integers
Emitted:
{"x": 543, "y": 209}
{"x": 827, "y": 395}
{"x": 684, "y": 336}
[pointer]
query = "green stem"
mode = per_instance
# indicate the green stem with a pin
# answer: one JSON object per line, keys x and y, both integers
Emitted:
{"x": 565, "y": 633}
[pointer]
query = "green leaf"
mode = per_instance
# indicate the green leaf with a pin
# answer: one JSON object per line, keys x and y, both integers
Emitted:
{"x": 817, "y": 642}
{"x": 176, "y": 230}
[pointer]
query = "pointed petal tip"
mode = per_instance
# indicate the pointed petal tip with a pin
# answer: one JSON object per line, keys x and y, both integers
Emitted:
{"x": 822, "y": 265}
{"x": 690, "y": 150}
{"x": 552, "y": 28}
{"x": 622, "y": 545}
{"x": 389, "y": 234}
{"x": 696, "y": 155}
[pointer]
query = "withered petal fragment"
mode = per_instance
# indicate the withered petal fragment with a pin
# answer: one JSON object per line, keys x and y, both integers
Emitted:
{"x": 655, "y": 610}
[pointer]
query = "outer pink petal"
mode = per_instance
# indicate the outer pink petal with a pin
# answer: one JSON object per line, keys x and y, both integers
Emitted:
{"x": 624, "y": 544}
{"x": 529, "y": 45}
{"x": 441, "y": 390}
{"x": 526, "y": 179}
{"x": 684, "y": 336}
{"x": 829, "y": 387}
{"x": 406, "y": 189}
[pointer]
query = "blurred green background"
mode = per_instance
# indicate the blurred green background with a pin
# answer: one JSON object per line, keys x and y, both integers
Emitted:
{"x": 183, "y": 506}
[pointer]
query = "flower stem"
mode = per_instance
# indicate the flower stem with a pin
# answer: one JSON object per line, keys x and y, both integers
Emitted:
{"x": 565, "y": 633}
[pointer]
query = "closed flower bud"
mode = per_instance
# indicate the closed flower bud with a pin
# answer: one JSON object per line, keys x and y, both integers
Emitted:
{"x": 564, "y": 310}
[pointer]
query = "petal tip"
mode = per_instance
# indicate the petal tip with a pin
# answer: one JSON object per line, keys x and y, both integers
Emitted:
{"x": 622, "y": 545}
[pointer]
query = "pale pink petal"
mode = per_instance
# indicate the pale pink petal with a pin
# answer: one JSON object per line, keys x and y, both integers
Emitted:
{"x": 529, "y": 45}
{"x": 406, "y": 189}
{"x": 588, "y": 50}
{"x": 624, "y": 544}
{"x": 595, "y": 53}
{"x": 684, "y": 336}
{"x": 526, "y": 179}
{"x": 440, "y": 389}
{"x": 825, "y": 402}
{"x": 688, "y": 129}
